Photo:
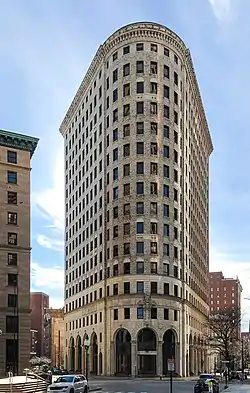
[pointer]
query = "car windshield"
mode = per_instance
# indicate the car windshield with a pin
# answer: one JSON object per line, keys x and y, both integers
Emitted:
{"x": 205, "y": 376}
{"x": 65, "y": 378}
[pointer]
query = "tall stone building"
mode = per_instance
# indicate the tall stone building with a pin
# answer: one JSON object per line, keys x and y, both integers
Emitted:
{"x": 15, "y": 157}
{"x": 137, "y": 149}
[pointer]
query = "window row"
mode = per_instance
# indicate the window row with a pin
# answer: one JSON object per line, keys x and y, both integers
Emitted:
{"x": 140, "y": 150}
{"x": 140, "y": 170}
{"x": 141, "y": 313}
{"x": 140, "y": 46}
{"x": 140, "y": 109}
{"x": 140, "y": 129}
{"x": 140, "y": 190}
{"x": 140, "y": 230}
{"x": 140, "y": 68}
{"x": 140, "y": 209}
{"x": 141, "y": 248}
{"x": 142, "y": 88}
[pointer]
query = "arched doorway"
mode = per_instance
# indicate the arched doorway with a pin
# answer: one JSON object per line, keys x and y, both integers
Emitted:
{"x": 100, "y": 363}
{"x": 123, "y": 352}
{"x": 146, "y": 349}
{"x": 94, "y": 354}
{"x": 78, "y": 354}
{"x": 168, "y": 349}
{"x": 72, "y": 354}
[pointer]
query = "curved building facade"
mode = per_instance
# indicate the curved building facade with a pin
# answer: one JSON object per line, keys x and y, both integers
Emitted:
{"x": 137, "y": 149}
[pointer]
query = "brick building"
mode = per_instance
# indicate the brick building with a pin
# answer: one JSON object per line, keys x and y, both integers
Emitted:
{"x": 39, "y": 302}
{"x": 54, "y": 336}
{"x": 224, "y": 292}
{"x": 16, "y": 151}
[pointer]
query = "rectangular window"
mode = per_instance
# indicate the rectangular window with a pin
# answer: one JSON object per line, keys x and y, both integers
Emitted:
{"x": 153, "y": 168}
{"x": 166, "y": 249}
{"x": 140, "y": 148}
{"x": 140, "y": 208}
{"x": 175, "y": 315}
{"x": 140, "y": 168}
{"x": 166, "y": 72}
{"x": 126, "y": 110}
{"x": 115, "y": 75}
{"x": 12, "y": 238}
{"x": 166, "y": 171}
{"x": 166, "y": 314}
{"x": 153, "y": 108}
{"x": 115, "y": 56}
{"x": 115, "y": 95}
{"x": 140, "y": 108}
{"x": 126, "y": 248}
{"x": 140, "y": 87}
{"x": 166, "y": 92}
{"x": 153, "y": 208}
{"x": 153, "y": 286}
{"x": 126, "y": 170}
{"x": 140, "y": 313}
{"x": 126, "y": 229}
{"x": 126, "y": 90}
{"x": 166, "y": 151}
{"x": 115, "y": 115}
{"x": 153, "y": 228}
{"x": 115, "y": 154}
{"x": 140, "y": 228}
{"x": 140, "y": 127}
{"x": 11, "y": 324}
{"x": 153, "y": 67}
{"x": 12, "y": 177}
{"x": 126, "y": 313}
{"x": 166, "y": 51}
{"x": 166, "y": 230}
{"x": 12, "y": 280}
{"x": 12, "y": 259}
{"x": 126, "y": 268}
{"x": 153, "y": 248}
{"x": 126, "y": 130}
{"x": 139, "y": 47}
{"x": 126, "y": 150}
{"x": 140, "y": 267}
{"x": 140, "y": 67}
{"x": 140, "y": 188}
{"x": 126, "y": 189}
{"x": 153, "y": 188}
{"x": 12, "y": 218}
{"x": 126, "y": 287}
{"x": 115, "y": 193}
{"x": 126, "y": 209}
{"x": 12, "y": 300}
{"x": 12, "y": 198}
{"x": 153, "y": 87}
{"x": 115, "y": 134}
{"x": 166, "y": 190}
{"x": 126, "y": 69}
{"x": 153, "y": 313}
{"x": 140, "y": 287}
{"x": 153, "y": 48}
{"x": 153, "y": 128}
{"x": 116, "y": 314}
{"x": 12, "y": 156}
{"x": 166, "y": 111}
{"x": 175, "y": 78}
{"x": 153, "y": 267}
{"x": 140, "y": 247}
{"x": 126, "y": 50}
{"x": 166, "y": 131}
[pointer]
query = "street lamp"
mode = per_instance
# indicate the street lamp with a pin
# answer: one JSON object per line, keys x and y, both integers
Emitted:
{"x": 87, "y": 345}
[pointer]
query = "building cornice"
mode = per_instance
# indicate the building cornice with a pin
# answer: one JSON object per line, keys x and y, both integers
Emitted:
{"x": 18, "y": 141}
{"x": 137, "y": 31}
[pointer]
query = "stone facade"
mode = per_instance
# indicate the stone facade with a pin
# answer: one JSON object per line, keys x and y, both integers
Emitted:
{"x": 15, "y": 154}
{"x": 137, "y": 149}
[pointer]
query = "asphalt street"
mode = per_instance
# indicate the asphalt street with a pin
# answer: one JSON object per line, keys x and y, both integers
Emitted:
{"x": 141, "y": 386}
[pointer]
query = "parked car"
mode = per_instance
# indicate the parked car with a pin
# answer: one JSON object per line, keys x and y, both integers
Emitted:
{"x": 69, "y": 384}
{"x": 202, "y": 385}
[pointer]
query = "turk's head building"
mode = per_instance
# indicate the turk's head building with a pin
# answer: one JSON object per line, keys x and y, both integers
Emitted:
{"x": 137, "y": 149}
{"x": 16, "y": 151}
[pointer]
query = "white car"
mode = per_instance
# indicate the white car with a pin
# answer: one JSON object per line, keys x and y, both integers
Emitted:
{"x": 69, "y": 384}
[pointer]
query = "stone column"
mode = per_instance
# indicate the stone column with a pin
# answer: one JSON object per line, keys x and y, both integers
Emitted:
{"x": 178, "y": 365}
{"x": 111, "y": 366}
{"x": 159, "y": 365}
{"x": 134, "y": 366}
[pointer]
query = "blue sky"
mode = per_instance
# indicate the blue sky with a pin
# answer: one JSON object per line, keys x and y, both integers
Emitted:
{"x": 45, "y": 49}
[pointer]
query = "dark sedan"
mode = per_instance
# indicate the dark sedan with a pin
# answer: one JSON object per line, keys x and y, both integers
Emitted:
{"x": 202, "y": 385}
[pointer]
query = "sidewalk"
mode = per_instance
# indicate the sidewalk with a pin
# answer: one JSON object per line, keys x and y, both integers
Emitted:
{"x": 238, "y": 388}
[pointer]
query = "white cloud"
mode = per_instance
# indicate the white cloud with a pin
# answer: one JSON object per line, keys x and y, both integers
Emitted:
{"x": 221, "y": 9}
{"x": 231, "y": 268}
{"x": 46, "y": 277}
{"x": 50, "y": 201}
{"x": 48, "y": 242}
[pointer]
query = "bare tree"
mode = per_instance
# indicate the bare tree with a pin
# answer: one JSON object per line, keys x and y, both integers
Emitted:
{"x": 224, "y": 332}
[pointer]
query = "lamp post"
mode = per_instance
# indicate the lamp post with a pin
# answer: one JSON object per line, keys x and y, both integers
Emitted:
{"x": 87, "y": 345}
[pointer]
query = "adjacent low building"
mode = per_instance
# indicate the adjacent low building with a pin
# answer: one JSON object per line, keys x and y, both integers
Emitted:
{"x": 54, "y": 336}
{"x": 39, "y": 302}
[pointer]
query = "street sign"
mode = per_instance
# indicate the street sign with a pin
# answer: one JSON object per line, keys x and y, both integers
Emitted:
{"x": 170, "y": 364}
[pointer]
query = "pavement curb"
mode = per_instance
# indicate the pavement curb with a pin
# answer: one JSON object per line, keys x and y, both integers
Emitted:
{"x": 95, "y": 390}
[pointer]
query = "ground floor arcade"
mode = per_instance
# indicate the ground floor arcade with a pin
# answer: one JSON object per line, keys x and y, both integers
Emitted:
{"x": 146, "y": 355}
